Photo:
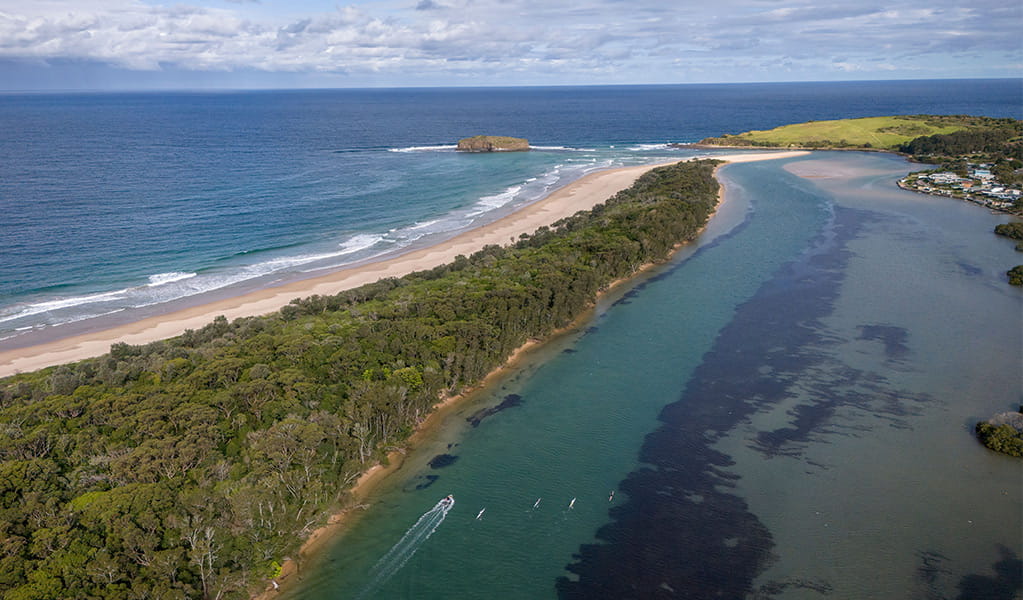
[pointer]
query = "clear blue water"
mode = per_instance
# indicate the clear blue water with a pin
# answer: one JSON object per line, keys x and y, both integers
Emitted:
{"x": 113, "y": 203}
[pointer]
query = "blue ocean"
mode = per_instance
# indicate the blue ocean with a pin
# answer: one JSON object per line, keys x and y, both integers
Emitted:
{"x": 119, "y": 205}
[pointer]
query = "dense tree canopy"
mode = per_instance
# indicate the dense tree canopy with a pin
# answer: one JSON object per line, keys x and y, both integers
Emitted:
{"x": 187, "y": 468}
{"x": 1015, "y": 275}
{"x": 1001, "y": 438}
{"x": 1012, "y": 230}
{"x": 998, "y": 138}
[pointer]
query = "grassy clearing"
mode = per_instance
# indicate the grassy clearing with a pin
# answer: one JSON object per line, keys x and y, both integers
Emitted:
{"x": 869, "y": 132}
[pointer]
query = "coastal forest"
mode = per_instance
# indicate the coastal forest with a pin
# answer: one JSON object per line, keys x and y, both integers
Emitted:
{"x": 191, "y": 467}
{"x": 998, "y": 142}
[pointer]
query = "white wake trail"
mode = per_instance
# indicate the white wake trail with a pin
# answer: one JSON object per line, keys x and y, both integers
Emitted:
{"x": 400, "y": 553}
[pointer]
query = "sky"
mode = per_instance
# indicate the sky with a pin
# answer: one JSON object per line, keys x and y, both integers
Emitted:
{"x": 254, "y": 44}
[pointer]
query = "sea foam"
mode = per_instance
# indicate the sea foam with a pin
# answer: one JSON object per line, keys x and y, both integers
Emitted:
{"x": 423, "y": 149}
{"x": 22, "y": 310}
{"x": 562, "y": 149}
{"x": 651, "y": 147}
{"x": 247, "y": 266}
{"x": 165, "y": 278}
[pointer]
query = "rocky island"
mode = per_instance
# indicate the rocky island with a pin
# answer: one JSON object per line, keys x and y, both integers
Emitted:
{"x": 492, "y": 143}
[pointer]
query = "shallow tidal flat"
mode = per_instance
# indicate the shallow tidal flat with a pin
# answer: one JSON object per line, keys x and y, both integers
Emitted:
{"x": 783, "y": 410}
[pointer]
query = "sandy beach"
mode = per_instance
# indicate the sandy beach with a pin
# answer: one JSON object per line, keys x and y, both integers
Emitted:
{"x": 581, "y": 194}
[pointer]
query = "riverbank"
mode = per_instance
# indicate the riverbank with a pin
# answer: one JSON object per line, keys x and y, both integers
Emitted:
{"x": 376, "y": 475}
{"x": 373, "y": 477}
{"x": 581, "y": 194}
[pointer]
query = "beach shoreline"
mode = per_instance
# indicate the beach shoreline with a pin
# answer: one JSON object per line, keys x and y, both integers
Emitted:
{"x": 373, "y": 477}
{"x": 582, "y": 194}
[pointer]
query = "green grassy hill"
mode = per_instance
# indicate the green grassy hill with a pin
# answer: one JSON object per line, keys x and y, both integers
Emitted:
{"x": 886, "y": 133}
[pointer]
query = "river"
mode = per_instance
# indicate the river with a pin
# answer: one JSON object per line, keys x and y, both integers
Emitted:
{"x": 784, "y": 410}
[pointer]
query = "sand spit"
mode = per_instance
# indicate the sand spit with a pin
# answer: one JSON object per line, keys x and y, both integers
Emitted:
{"x": 581, "y": 194}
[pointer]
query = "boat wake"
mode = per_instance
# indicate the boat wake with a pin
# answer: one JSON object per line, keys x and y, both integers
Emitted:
{"x": 400, "y": 553}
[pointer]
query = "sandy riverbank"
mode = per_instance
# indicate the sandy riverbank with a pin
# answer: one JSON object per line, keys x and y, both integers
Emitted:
{"x": 581, "y": 194}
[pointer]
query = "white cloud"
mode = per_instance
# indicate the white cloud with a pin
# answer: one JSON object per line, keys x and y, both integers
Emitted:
{"x": 521, "y": 41}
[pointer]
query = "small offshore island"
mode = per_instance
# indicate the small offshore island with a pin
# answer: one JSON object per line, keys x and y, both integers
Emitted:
{"x": 492, "y": 143}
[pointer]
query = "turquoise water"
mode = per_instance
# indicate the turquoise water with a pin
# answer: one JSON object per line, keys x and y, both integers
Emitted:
{"x": 784, "y": 409}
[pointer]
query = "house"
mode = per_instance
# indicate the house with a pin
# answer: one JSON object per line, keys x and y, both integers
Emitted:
{"x": 944, "y": 177}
